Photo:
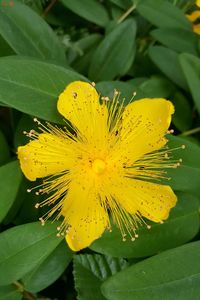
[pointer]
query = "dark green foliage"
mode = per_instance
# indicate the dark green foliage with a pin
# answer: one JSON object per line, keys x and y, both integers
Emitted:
{"x": 144, "y": 48}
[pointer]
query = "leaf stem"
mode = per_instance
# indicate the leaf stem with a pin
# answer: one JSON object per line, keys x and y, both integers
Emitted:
{"x": 27, "y": 295}
{"x": 49, "y": 7}
{"x": 190, "y": 132}
{"x": 126, "y": 14}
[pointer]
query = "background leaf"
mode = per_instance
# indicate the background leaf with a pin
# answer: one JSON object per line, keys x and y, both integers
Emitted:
{"x": 190, "y": 166}
{"x": 23, "y": 247}
{"x": 157, "y": 277}
{"x": 191, "y": 69}
{"x": 91, "y": 270}
{"x": 90, "y": 10}
{"x": 120, "y": 42}
{"x": 4, "y": 150}
{"x": 167, "y": 61}
{"x": 9, "y": 293}
{"x": 181, "y": 227}
{"x": 177, "y": 39}
{"x": 163, "y": 14}
{"x": 49, "y": 270}
{"x": 24, "y": 38}
{"x": 10, "y": 175}
{"x": 36, "y": 89}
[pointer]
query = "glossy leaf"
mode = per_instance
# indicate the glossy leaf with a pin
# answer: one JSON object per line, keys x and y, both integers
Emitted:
{"x": 120, "y": 42}
{"x": 177, "y": 39}
{"x": 167, "y": 61}
{"x": 23, "y": 247}
{"x": 92, "y": 11}
{"x": 35, "y": 90}
{"x": 122, "y": 3}
{"x": 25, "y": 39}
{"x": 187, "y": 176}
{"x": 86, "y": 48}
{"x": 156, "y": 87}
{"x": 4, "y": 150}
{"x": 182, "y": 118}
{"x": 89, "y": 272}
{"x": 163, "y": 14}
{"x": 9, "y": 292}
{"x": 83, "y": 45}
{"x": 10, "y": 179}
{"x": 181, "y": 227}
{"x": 173, "y": 274}
{"x": 191, "y": 68}
{"x": 49, "y": 270}
{"x": 107, "y": 88}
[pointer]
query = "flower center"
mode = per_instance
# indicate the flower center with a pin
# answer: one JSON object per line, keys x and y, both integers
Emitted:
{"x": 98, "y": 166}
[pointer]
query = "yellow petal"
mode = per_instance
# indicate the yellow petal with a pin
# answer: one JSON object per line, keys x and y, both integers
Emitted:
{"x": 85, "y": 215}
{"x": 198, "y": 3}
{"x": 46, "y": 156}
{"x": 153, "y": 201}
{"x": 144, "y": 124}
{"x": 79, "y": 103}
{"x": 193, "y": 16}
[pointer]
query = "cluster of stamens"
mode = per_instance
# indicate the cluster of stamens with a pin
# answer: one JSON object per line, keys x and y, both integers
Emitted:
{"x": 144, "y": 168}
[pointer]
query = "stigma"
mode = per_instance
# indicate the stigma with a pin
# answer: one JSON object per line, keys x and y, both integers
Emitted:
{"x": 98, "y": 166}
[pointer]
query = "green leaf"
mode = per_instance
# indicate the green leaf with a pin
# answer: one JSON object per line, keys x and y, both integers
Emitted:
{"x": 122, "y": 3}
{"x": 116, "y": 14}
{"x": 35, "y": 90}
{"x": 163, "y": 14}
{"x": 156, "y": 87}
{"x": 167, "y": 61}
{"x": 92, "y": 11}
{"x": 126, "y": 89}
{"x": 23, "y": 247}
{"x": 115, "y": 54}
{"x": 25, "y": 123}
{"x": 85, "y": 48}
{"x": 182, "y": 117}
{"x": 9, "y": 293}
{"x": 174, "y": 274}
{"x": 187, "y": 176}
{"x": 177, "y": 39}
{"x": 5, "y": 49}
{"x": 81, "y": 46}
{"x": 182, "y": 226}
{"x": 4, "y": 150}
{"x": 30, "y": 38}
{"x": 10, "y": 179}
{"x": 91, "y": 270}
{"x": 191, "y": 68}
{"x": 49, "y": 270}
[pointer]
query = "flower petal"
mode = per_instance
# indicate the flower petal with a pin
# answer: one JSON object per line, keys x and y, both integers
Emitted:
{"x": 144, "y": 124}
{"x": 45, "y": 156}
{"x": 83, "y": 212}
{"x": 79, "y": 103}
{"x": 153, "y": 201}
{"x": 196, "y": 28}
{"x": 193, "y": 16}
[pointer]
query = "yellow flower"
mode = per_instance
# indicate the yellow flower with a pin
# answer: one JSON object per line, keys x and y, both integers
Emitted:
{"x": 194, "y": 18}
{"x": 98, "y": 164}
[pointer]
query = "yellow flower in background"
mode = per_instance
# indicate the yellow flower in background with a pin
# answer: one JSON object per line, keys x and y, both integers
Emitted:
{"x": 102, "y": 164}
{"x": 194, "y": 18}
